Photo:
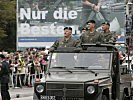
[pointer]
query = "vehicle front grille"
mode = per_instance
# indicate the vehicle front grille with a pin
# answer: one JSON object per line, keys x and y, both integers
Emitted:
{"x": 64, "y": 91}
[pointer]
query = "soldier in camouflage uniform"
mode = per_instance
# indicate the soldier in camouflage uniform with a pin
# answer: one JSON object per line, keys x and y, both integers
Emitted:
{"x": 106, "y": 35}
{"x": 66, "y": 41}
{"x": 90, "y": 36}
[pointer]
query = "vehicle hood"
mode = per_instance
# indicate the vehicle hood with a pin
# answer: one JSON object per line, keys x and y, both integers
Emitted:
{"x": 76, "y": 77}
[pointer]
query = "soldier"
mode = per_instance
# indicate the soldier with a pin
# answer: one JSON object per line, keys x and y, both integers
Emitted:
{"x": 90, "y": 36}
{"x": 66, "y": 41}
{"x": 106, "y": 35}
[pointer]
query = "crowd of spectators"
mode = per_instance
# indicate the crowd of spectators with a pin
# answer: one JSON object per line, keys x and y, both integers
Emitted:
{"x": 26, "y": 66}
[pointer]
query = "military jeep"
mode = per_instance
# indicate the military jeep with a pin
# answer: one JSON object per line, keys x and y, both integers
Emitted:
{"x": 91, "y": 72}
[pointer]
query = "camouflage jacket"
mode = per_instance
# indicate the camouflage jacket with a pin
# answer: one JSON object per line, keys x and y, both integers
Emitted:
{"x": 109, "y": 37}
{"x": 62, "y": 42}
{"x": 88, "y": 37}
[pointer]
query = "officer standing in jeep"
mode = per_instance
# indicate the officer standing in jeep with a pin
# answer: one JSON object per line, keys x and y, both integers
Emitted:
{"x": 106, "y": 35}
{"x": 90, "y": 36}
{"x": 66, "y": 41}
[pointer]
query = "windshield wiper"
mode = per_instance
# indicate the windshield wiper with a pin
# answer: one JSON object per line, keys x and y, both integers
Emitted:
{"x": 59, "y": 67}
{"x": 86, "y": 68}
{"x": 81, "y": 67}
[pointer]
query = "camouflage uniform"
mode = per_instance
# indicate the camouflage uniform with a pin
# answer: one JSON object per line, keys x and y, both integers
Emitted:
{"x": 62, "y": 42}
{"x": 88, "y": 37}
{"x": 108, "y": 37}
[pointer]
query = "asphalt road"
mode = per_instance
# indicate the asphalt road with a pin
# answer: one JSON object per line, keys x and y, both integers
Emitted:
{"x": 24, "y": 93}
{"x": 23, "y": 98}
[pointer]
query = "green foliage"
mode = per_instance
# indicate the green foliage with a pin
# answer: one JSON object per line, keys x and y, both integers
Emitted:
{"x": 7, "y": 10}
{"x": 7, "y": 16}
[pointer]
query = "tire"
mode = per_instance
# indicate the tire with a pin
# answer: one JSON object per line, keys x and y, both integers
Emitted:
{"x": 35, "y": 97}
{"x": 124, "y": 97}
{"x": 104, "y": 97}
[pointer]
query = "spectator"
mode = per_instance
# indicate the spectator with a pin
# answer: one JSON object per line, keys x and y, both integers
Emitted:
{"x": 4, "y": 78}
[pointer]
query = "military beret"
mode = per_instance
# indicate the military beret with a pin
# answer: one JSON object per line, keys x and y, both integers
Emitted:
{"x": 91, "y": 21}
{"x": 106, "y": 23}
{"x": 84, "y": 28}
{"x": 69, "y": 28}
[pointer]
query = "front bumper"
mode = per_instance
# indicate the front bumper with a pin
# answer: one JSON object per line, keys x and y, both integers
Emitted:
{"x": 64, "y": 91}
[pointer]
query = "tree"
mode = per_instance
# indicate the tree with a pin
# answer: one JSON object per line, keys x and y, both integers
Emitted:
{"x": 7, "y": 24}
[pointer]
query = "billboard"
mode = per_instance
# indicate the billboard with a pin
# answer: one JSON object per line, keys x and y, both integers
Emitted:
{"x": 41, "y": 22}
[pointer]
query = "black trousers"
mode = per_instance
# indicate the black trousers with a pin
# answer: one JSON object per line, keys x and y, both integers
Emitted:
{"x": 4, "y": 91}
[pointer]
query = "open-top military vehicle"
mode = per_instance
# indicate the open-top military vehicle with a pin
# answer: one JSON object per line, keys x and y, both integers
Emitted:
{"x": 91, "y": 72}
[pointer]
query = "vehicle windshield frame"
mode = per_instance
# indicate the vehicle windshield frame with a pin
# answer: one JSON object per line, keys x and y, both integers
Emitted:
{"x": 109, "y": 61}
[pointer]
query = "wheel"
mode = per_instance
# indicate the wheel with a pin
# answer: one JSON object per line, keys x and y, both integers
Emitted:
{"x": 104, "y": 97}
{"x": 35, "y": 97}
{"x": 124, "y": 97}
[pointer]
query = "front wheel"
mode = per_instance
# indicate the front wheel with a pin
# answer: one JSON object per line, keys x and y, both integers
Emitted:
{"x": 124, "y": 97}
{"x": 35, "y": 97}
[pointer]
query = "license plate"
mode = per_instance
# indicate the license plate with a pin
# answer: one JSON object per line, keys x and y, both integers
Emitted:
{"x": 43, "y": 97}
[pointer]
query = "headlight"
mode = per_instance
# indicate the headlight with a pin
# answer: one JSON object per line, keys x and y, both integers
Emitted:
{"x": 40, "y": 88}
{"x": 90, "y": 89}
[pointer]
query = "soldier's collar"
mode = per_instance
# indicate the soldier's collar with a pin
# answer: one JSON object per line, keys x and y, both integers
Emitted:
{"x": 92, "y": 32}
{"x": 66, "y": 39}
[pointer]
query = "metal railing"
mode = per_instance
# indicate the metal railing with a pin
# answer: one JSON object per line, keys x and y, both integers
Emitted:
{"x": 24, "y": 79}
